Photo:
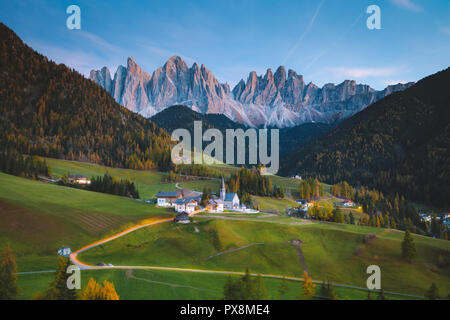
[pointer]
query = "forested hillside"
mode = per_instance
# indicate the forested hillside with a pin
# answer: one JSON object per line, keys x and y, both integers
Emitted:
{"x": 398, "y": 144}
{"x": 50, "y": 110}
{"x": 180, "y": 116}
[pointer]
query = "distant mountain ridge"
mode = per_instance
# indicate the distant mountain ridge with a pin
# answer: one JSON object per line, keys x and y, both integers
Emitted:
{"x": 400, "y": 144}
{"x": 274, "y": 100}
{"x": 179, "y": 116}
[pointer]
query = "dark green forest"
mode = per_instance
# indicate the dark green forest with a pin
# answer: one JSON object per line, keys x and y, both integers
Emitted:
{"x": 30, "y": 167}
{"x": 50, "y": 110}
{"x": 400, "y": 144}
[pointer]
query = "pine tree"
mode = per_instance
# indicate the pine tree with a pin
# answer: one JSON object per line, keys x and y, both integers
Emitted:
{"x": 8, "y": 277}
{"x": 408, "y": 247}
{"x": 432, "y": 293}
{"x": 58, "y": 289}
{"x": 381, "y": 295}
{"x": 229, "y": 291}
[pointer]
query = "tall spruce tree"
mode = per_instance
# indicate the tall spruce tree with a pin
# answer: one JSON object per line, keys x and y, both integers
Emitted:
{"x": 8, "y": 277}
{"x": 58, "y": 289}
{"x": 432, "y": 292}
{"x": 408, "y": 247}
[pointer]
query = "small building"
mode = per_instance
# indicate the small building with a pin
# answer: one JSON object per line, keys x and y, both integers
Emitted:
{"x": 167, "y": 199}
{"x": 182, "y": 217}
{"x": 348, "y": 203}
{"x": 78, "y": 179}
{"x": 215, "y": 205}
{"x": 64, "y": 251}
{"x": 185, "y": 205}
{"x": 230, "y": 200}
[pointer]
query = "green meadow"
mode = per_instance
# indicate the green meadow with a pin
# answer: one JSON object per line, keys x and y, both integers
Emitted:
{"x": 37, "y": 218}
{"x": 170, "y": 285}
{"x": 330, "y": 252}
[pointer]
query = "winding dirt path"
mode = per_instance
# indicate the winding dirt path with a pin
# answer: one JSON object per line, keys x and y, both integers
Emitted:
{"x": 297, "y": 243}
{"x": 84, "y": 266}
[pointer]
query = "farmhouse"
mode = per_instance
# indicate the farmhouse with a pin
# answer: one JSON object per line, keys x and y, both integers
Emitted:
{"x": 182, "y": 217}
{"x": 167, "y": 199}
{"x": 215, "y": 205}
{"x": 347, "y": 203}
{"x": 230, "y": 200}
{"x": 78, "y": 179}
{"x": 185, "y": 205}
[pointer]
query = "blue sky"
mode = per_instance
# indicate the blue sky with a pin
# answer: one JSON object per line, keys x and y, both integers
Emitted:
{"x": 324, "y": 40}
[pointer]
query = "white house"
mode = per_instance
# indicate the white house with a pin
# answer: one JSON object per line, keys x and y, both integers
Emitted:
{"x": 78, "y": 179}
{"x": 64, "y": 251}
{"x": 182, "y": 217}
{"x": 167, "y": 199}
{"x": 185, "y": 205}
{"x": 348, "y": 203}
{"x": 216, "y": 205}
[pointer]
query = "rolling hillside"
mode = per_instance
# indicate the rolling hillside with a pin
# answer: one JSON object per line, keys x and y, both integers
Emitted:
{"x": 50, "y": 110}
{"x": 179, "y": 116}
{"x": 398, "y": 144}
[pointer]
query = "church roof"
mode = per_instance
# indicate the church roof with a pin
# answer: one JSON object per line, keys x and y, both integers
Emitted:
{"x": 229, "y": 196}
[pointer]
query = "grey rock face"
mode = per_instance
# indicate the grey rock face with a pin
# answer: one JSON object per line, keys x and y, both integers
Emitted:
{"x": 270, "y": 100}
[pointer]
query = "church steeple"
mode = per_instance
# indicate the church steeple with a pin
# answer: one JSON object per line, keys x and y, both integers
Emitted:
{"x": 223, "y": 190}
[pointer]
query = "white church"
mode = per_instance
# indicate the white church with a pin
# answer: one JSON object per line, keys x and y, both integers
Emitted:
{"x": 230, "y": 200}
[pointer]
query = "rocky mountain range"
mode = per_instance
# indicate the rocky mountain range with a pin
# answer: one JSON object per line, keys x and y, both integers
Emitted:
{"x": 280, "y": 99}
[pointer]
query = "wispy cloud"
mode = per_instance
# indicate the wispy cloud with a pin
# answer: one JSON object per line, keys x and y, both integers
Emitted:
{"x": 407, "y": 4}
{"x": 77, "y": 59}
{"x": 445, "y": 30}
{"x": 338, "y": 40}
{"x": 100, "y": 43}
{"x": 305, "y": 32}
{"x": 166, "y": 54}
{"x": 357, "y": 73}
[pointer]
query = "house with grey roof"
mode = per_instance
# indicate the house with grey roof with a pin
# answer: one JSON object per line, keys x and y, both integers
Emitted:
{"x": 167, "y": 199}
{"x": 186, "y": 205}
{"x": 182, "y": 217}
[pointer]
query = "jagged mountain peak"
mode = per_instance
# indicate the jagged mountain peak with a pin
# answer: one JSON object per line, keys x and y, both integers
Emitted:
{"x": 274, "y": 99}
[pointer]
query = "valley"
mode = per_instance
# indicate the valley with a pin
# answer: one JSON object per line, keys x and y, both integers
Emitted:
{"x": 329, "y": 249}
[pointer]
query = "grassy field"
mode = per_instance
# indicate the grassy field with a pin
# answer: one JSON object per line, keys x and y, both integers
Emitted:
{"x": 149, "y": 182}
{"x": 329, "y": 251}
{"x": 273, "y": 205}
{"x": 37, "y": 218}
{"x": 140, "y": 177}
{"x": 169, "y": 285}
